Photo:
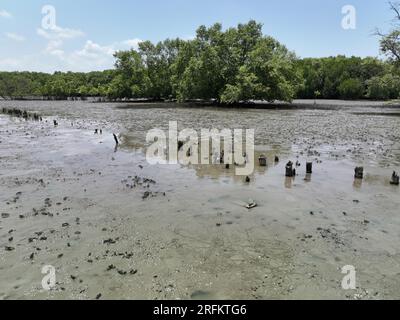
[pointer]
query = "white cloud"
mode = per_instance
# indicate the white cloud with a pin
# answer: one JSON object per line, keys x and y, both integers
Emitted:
{"x": 56, "y": 37}
{"x": 22, "y": 63}
{"x": 14, "y": 36}
{"x": 5, "y": 14}
{"x": 91, "y": 57}
{"x": 58, "y": 33}
{"x": 54, "y": 47}
{"x": 132, "y": 43}
{"x": 93, "y": 50}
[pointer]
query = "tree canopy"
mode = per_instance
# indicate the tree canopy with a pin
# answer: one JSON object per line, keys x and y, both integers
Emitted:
{"x": 235, "y": 65}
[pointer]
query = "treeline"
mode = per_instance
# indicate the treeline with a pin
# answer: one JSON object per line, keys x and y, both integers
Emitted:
{"x": 349, "y": 78}
{"x": 227, "y": 66}
{"x": 18, "y": 85}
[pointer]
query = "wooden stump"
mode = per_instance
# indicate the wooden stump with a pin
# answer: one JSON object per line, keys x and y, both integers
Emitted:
{"x": 309, "y": 166}
{"x": 263, "y": 161}
{"x": 289, "y": 169}
{"x": 395, "y": 179}
{"x": 359, "y": 173}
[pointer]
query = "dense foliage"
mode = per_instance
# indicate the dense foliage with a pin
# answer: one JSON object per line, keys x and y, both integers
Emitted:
{"x": 344, "y": 78}
{"x": 238, "y": 64}
{"x": 227, "y": 66}
{"x": 58, "y": 85}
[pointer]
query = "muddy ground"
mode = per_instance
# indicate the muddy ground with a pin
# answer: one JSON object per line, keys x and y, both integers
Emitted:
{"x": 115, "y": 227}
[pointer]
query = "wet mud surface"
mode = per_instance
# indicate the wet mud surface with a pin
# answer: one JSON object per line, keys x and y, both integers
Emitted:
{"x": 117, "y": 227}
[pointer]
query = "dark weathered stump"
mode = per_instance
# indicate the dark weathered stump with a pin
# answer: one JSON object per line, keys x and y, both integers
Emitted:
{"x": 289, "y": 169}
{"x": 395, "y": 179}
{"x": 263, "y": 161}
{"x": 222, "y": 156}
{"x": 359, "y": 173}
{"x": 309, "y": 166}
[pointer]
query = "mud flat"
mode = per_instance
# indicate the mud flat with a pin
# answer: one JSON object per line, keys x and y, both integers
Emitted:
{"x": 115, "y": 227}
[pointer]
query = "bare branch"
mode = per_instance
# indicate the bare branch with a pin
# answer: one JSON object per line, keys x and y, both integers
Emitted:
{"x": 378, "y": 32}
{"x": 395, "y": 7}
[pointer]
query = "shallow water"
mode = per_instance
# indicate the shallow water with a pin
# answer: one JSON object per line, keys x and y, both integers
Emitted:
{"x": 358, "y": 133}
{"x": 197, "y": 240}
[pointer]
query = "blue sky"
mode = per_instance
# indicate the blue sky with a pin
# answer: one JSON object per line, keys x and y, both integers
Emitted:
{"x": 88, "y": 31}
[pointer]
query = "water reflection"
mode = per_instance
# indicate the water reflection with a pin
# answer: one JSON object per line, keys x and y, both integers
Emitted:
{"x": 216, "y": 171}
{"x": 357, "y": 184}
{"x": 289, "y": 182}
{"x": 308, "y": 177}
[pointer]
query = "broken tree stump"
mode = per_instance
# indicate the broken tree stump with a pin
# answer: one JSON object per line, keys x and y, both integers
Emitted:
{"x": 289, "y": 169}
{"x": 359, "y": 173}
{"x": 263, "y": 161}
{"x": 395, "y": 179}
